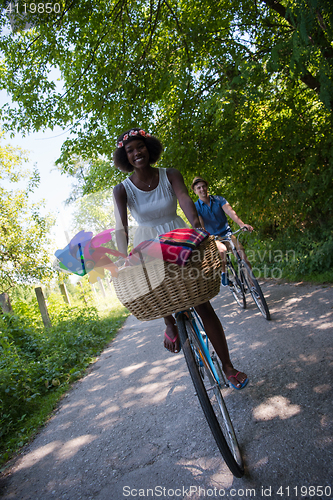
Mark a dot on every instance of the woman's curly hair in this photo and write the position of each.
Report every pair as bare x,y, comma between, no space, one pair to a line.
153,145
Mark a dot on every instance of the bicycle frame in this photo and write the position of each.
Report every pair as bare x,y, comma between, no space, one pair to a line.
246,280
231,243
208,379
204,344
194,318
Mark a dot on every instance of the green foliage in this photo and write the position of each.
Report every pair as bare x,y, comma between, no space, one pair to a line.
23,293
36,362
276,178
94,212
240,92
311,258
123,65
24,238
292,256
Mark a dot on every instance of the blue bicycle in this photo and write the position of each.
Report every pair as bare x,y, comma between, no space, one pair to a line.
243,280
208,379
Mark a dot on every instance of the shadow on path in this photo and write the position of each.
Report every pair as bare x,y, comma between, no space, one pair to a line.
133,424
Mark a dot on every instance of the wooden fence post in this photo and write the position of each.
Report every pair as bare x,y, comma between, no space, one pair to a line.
100,282
93,289
5,303
109,284
84,297
42,306
64,293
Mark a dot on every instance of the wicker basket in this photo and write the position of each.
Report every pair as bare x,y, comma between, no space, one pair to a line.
158,288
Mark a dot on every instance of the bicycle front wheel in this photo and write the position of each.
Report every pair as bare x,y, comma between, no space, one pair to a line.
251,283
210,396
235,286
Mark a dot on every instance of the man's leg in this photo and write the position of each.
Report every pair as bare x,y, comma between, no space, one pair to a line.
223,252
241,250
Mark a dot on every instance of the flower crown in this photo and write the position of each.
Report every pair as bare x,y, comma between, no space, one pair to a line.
132,133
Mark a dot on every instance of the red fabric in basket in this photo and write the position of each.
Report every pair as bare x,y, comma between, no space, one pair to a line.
175,246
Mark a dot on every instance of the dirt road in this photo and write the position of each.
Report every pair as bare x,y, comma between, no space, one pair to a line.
133,427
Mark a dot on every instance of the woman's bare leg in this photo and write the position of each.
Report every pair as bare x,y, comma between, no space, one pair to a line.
216,335
171,332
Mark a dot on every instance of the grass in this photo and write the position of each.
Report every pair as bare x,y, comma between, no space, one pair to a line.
38,365
291,256
292,275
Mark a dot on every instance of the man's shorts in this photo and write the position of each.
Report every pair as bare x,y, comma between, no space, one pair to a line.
235,241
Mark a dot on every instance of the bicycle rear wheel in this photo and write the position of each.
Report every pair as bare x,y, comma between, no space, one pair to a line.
251,283
210,396
235,285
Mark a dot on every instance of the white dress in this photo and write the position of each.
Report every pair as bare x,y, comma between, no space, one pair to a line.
154,211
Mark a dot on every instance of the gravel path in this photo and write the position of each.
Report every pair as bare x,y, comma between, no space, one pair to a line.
133,427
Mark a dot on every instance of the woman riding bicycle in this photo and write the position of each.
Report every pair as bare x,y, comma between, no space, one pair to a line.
151,196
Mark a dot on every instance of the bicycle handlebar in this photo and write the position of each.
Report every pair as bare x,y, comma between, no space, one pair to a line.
227,237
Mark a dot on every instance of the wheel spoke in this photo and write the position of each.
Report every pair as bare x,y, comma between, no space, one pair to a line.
210,395
235,286
252,285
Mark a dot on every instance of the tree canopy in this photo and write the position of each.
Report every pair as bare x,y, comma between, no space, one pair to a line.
93,212
24,231
238,91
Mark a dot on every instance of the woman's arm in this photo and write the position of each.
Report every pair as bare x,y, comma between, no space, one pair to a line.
202,224
185,201
120,210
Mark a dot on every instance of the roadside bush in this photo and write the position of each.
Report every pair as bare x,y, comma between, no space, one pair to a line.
292,256
36,361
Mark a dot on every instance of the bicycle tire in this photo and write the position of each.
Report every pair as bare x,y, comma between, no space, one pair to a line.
236,286
216,412
247,277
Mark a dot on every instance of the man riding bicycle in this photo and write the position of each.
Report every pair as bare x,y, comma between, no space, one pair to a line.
213,212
